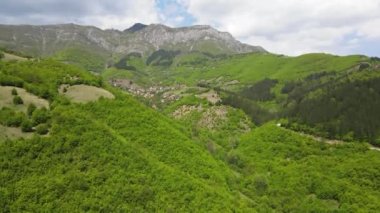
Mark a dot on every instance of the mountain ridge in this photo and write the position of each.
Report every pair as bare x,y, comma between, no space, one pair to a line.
46,40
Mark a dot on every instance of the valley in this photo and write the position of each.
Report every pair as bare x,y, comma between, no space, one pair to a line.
160,119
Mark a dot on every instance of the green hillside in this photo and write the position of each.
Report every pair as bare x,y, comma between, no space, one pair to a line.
338,106
88,164
88,152
106,155
249,68
288,172
313,90
90,59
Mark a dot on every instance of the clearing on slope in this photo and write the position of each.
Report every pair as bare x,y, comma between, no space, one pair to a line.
85,93
12,57
6,98
13,133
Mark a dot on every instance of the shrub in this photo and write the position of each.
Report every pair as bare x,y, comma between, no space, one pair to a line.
42,129
31,109
40,116
260,184
8,80
17,100
234,159
27,126
257,184
14,91
9,117
376,142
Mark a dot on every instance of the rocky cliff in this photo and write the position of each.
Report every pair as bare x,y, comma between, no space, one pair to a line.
144,39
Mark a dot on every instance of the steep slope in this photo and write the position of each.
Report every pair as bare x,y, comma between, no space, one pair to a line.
88,165
107,155
194,38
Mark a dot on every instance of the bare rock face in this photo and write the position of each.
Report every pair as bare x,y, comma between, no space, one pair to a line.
192,38
144,39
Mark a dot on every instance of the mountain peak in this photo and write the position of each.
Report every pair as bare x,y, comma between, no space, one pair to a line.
201,27
136,27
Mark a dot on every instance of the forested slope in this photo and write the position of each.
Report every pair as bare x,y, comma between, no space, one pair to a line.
105,156
116,154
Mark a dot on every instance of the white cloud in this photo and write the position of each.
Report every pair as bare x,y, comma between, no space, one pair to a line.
294,26
282,26
370,29
118,14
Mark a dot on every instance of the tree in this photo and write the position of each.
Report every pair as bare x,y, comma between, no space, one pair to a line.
1,55
260,183
17,100
30,110
14,91
42,129
9,117
40,116
27,126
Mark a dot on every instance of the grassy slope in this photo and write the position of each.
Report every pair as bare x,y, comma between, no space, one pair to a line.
83,93
190,68
250,68
13,133
10,57
92,60
6,99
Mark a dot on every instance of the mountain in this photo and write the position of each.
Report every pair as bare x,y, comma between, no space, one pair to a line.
42,41
136,27
177,131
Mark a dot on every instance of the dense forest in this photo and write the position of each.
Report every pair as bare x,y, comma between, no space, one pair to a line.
162,58
335,105
343,107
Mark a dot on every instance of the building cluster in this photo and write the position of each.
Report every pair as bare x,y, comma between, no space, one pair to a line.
165,92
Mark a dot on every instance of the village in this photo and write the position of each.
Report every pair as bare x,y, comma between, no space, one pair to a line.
167,93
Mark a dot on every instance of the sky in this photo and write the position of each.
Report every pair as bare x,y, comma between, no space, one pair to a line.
290,27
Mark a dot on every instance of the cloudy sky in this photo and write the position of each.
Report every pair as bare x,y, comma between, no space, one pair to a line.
289,27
